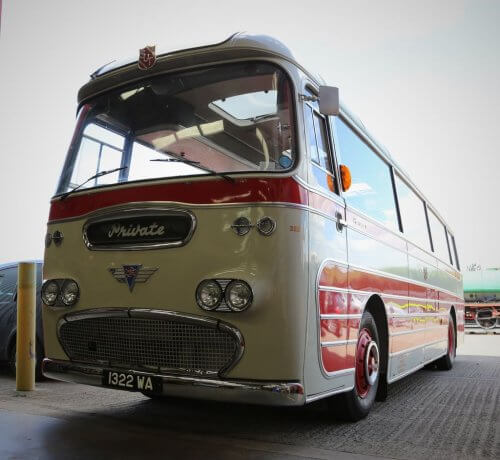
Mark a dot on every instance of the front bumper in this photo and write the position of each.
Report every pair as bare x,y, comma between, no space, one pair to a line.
259,392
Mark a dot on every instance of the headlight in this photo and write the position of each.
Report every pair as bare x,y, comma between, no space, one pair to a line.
238,295
209,295
70,293
50,292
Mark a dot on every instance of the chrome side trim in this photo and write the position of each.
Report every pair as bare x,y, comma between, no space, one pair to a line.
130,212
414,331
339,342
414,369
147,313
402,278
341,372
388,296
339,316
407,350
326,394
418,315
248,392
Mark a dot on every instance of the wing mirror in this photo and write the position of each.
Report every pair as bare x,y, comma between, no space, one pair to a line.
329,103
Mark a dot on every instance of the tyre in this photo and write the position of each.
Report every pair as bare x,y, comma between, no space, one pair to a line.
356,404
446,362
38,364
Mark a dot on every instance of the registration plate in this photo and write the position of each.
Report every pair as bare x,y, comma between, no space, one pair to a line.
131,382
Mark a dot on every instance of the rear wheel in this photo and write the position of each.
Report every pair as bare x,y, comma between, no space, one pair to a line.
356,404
446,362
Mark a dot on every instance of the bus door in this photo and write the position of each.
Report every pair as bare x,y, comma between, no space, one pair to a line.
327,246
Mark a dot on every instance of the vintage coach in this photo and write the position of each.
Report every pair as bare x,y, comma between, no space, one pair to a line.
206,241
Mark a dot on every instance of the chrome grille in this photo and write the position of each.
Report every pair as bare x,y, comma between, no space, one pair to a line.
166,344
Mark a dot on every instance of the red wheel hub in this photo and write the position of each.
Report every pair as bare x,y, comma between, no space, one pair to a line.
367,363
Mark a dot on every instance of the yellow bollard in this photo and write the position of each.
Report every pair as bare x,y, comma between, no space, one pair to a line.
26,327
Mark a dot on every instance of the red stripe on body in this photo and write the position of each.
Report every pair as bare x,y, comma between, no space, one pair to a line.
364,281
221,191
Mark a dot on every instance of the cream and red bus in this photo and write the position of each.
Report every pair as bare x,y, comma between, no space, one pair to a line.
224,229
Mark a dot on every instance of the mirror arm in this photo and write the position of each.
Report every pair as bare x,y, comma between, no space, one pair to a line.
306,98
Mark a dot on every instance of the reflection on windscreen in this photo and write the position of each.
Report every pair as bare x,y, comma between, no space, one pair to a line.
233,118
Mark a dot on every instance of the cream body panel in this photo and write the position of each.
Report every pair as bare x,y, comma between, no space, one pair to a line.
275,267
326,242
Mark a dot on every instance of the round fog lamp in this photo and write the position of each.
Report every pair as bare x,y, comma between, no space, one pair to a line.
209,295
238,295
266,226
70,293
50,291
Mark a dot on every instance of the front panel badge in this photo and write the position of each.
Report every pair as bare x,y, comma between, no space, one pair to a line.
147,58
131,274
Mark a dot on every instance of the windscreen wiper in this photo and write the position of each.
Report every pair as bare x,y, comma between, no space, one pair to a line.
95,176
177,160
196,164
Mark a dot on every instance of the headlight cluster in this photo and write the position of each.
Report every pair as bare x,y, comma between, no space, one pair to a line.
60,292
224,295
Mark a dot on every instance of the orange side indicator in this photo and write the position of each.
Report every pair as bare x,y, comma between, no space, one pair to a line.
345,175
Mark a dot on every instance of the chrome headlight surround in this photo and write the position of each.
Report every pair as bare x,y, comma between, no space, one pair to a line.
206,289
50,292
238,295
60,292
70,292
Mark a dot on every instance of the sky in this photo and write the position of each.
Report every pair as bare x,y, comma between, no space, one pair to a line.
422,76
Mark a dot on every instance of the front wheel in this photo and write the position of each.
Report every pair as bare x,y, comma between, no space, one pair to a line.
446,362
356,404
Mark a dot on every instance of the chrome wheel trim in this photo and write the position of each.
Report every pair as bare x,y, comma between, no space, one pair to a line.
372,363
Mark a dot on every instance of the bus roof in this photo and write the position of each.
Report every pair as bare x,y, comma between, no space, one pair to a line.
117,73
482,280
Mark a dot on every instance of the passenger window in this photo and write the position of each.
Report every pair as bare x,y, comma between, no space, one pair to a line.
450,247
413,218
100,150
317,139
371,191
8,284
438,233
454,249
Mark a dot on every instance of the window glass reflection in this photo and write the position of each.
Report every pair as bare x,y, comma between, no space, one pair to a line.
371,191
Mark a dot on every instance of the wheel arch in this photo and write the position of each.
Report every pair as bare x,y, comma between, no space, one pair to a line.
376,306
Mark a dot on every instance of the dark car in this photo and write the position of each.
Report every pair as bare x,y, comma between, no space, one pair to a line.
8,316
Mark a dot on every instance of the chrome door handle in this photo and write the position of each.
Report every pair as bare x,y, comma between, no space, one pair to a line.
341,223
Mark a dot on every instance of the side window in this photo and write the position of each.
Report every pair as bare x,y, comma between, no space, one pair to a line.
317,140
8,283
413,218
451,248
454,249
371,191
100,150
438,233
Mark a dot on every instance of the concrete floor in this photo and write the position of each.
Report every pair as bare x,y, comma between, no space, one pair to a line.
432,414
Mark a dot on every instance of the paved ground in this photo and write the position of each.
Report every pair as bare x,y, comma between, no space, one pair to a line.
432,414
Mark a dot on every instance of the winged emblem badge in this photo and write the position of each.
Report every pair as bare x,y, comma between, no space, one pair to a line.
131,274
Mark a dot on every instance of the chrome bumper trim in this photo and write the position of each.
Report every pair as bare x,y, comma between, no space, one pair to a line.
248,392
